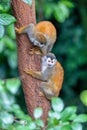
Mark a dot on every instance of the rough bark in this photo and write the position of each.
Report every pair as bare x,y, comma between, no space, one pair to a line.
24,15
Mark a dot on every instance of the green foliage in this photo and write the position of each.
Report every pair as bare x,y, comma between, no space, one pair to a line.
2,30
60,9
67,119
12,116
4,6
57,104
70,49
28,2
38,113
7,41
6,19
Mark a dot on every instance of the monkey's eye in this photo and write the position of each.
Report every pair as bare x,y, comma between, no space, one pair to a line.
41,44
54,60
49,60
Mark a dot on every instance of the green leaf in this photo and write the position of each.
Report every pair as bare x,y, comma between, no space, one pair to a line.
52,122
38,112
68,113
13,85
61,12
54,128
48,10
2,83
11,31
28,2
66,127
81,118
6,118
57,104
11,56
39,123
7,100
83,97
9,43
76,126
56,115
69,4
18,112
1,8
5,6
32,126
6,19
22,127
2,45
2,30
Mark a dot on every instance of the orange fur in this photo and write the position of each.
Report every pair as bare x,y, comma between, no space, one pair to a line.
46,28
57,78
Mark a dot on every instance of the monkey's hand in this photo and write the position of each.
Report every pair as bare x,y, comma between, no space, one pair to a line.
34,74
28,71
18,30
35,50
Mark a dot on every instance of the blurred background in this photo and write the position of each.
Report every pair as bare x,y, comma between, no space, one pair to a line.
70,19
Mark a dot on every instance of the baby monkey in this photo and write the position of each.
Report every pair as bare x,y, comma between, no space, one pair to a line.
51,75
42,35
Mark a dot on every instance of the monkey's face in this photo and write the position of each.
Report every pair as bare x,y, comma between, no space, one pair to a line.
40,40
49,61
38,44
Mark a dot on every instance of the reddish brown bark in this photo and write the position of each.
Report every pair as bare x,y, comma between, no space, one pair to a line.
25,15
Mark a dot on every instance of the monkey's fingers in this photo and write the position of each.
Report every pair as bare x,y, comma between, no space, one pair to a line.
18,30
41,94
35,50
27,71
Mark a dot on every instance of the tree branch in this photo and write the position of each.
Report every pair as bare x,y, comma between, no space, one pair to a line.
25,15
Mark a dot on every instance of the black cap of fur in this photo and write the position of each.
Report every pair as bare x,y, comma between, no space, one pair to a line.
51,55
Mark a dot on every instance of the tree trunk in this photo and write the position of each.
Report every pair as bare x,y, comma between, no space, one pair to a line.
24,15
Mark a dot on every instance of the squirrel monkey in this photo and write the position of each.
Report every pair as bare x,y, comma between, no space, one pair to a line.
42,35
51,75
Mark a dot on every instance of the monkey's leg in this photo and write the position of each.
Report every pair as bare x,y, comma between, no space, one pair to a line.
35,74
47,90
35,50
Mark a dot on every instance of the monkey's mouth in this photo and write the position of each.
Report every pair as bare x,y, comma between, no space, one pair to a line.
49,65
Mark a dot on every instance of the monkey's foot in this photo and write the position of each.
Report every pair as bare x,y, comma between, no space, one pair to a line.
35,50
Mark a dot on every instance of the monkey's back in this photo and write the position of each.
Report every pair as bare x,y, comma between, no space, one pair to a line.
57,78
47,28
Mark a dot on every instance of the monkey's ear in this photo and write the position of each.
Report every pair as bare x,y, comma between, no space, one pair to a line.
41,38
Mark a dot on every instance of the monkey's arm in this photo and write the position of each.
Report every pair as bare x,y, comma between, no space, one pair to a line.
24,29
29,30
35,74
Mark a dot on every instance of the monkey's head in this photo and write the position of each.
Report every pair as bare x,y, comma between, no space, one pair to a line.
40,40
49,60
